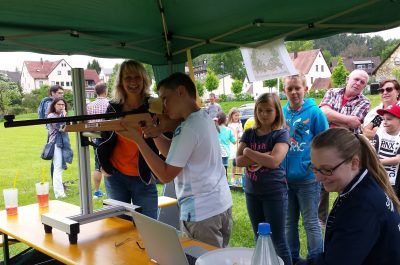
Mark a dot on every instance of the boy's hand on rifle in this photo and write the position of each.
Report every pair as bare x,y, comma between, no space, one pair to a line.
131,132
151,131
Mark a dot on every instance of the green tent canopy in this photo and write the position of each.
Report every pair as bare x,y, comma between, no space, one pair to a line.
159,32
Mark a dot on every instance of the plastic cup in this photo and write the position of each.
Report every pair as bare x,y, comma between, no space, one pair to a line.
42,192
11,201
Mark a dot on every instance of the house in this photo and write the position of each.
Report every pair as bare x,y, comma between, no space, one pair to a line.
368,64
12,76
37,73
385,69
91,79
105,74
311,64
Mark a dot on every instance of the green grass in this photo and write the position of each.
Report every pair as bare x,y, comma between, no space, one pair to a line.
20,153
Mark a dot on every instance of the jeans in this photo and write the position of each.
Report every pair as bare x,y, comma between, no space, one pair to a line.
131,189
58,186
303,199
261,209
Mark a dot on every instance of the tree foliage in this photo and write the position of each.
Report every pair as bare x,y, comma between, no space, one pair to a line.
237,86
339,74
388,50
211,83
200,88
94,65
396,73
228,63
112,78
299,45
270,83
9,94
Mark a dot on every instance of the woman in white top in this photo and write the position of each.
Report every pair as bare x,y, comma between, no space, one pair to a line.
236,126
389,90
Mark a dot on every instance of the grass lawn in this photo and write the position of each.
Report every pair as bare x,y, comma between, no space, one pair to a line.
20,154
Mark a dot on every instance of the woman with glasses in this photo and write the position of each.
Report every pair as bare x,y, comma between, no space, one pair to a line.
363,226
389,90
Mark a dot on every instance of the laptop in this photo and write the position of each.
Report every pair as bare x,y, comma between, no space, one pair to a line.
162,243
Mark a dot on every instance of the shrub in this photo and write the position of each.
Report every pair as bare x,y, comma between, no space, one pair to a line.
316,93
244,97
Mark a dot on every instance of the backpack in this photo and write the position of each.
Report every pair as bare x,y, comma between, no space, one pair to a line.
44,107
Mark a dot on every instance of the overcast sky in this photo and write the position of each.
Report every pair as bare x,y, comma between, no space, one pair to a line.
12,60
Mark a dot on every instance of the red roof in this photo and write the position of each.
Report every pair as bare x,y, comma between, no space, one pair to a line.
322,83
91,74
303,60
40,69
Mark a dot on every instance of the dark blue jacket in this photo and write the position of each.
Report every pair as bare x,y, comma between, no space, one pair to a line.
109,139
363,227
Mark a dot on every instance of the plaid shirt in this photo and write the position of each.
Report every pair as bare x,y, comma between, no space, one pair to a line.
355,106
99,106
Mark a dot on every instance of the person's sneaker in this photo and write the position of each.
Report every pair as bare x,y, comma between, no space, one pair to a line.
98,194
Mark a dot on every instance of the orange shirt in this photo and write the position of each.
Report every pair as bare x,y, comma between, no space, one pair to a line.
125,156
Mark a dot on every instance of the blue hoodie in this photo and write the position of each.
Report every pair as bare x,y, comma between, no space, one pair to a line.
303,125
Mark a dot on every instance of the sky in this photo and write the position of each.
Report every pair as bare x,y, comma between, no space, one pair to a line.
12,60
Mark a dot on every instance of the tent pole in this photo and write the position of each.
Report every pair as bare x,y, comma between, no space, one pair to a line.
78,82
191,74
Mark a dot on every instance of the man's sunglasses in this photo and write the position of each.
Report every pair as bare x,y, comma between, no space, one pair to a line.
388,90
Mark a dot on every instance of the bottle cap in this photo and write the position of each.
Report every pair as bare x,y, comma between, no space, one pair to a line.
264,229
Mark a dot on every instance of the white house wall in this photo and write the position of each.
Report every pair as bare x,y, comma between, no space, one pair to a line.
60,75
313,73
27,82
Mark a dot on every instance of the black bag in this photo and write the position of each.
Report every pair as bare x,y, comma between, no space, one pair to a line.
48,151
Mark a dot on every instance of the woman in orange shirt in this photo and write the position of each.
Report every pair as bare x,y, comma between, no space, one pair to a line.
127,176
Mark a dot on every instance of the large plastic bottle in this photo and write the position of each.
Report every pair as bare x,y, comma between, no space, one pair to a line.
264,254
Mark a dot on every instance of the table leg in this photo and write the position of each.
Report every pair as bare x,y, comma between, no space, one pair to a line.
6,251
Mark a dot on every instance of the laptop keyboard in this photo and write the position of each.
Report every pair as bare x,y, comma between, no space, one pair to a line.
191,260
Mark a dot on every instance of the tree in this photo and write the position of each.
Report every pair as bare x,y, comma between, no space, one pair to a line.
112,78
270,83
94,65
339,74
200,88
386,52
299,45
9,94
237,86
211,83
228,63
149,70
355,50
328,56
396,73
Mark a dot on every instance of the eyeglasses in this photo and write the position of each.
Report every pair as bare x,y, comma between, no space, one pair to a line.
326,172
388,90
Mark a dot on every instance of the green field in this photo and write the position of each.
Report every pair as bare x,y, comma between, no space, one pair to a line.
20,155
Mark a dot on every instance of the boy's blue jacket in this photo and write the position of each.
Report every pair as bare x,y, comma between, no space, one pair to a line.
303,125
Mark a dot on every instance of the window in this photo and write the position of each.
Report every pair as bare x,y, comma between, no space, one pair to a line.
69,72
62,83
397,61
40,83
59,72
316,68
53,83
57,83
359,66
370,66
67,83
322,68
312,80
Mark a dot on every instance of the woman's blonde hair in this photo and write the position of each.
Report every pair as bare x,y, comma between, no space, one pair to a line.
347,145
119,94
273,99
232,112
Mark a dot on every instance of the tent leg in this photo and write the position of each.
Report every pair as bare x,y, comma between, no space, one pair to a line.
83,150
191,74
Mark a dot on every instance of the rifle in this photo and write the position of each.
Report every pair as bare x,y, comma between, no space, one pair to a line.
88,123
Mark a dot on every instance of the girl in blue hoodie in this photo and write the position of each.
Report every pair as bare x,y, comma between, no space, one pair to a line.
304,120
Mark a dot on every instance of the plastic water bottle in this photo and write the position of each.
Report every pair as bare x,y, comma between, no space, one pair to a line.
264,254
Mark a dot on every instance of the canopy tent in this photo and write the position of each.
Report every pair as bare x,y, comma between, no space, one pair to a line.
165,32
159,32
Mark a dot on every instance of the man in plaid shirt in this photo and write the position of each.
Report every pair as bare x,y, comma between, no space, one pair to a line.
344,107
99,106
